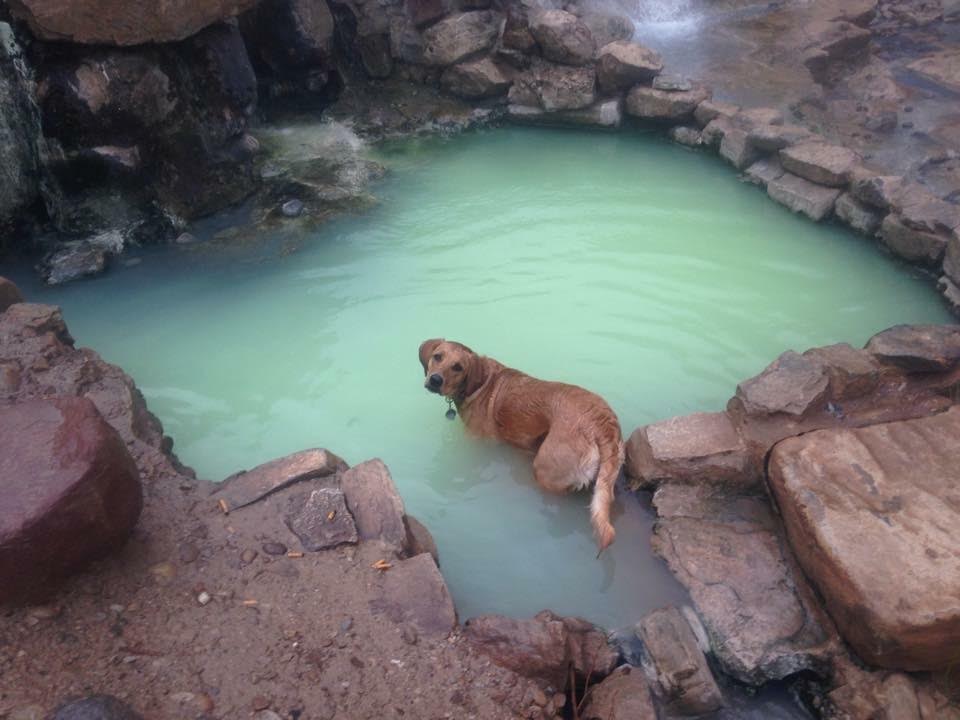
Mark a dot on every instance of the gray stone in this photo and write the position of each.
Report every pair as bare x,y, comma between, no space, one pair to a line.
918,348
859,216
820,162
292,208
321,519
911,244
681,670
414,593
72,261
624,695
710,110
763,171
922,210
735,149
714,131
879,191
951,294
291,36
803,196
672,83
758,117
476,79
852,372
562,37
771,138
249,486
607,27
664,106
623,64
375,504
792,384
457,36
9,294
684,135
95,707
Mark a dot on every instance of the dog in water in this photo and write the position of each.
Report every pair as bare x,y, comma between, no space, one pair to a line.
574,433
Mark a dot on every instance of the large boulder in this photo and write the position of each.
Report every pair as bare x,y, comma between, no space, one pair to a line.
290,36
563,38
870,514
554,87
457,36
70,493
116,22
476,79
670,106
623,64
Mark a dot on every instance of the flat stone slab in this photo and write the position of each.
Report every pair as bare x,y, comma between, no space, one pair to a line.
702,447
414,592
820,162
910,243
859,216
664,105
802,196
791,384
872,515
762,172
375,504
918,348
321,520
248,486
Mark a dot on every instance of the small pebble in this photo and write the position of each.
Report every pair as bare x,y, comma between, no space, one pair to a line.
346,624
204,597
248,556
409,635
907,125
259,702
274,548
539,697
45,612
292,208
188,553
163,572
185,239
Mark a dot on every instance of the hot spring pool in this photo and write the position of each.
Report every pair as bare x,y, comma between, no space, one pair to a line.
636,268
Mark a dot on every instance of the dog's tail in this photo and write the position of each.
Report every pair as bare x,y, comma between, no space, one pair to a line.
611,459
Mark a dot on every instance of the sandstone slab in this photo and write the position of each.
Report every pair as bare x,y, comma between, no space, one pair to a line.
623,64
413,591
802,196
865,506
375,504
820,162
455,37
624,695
918,348
321,520
562,37
249,486
70,493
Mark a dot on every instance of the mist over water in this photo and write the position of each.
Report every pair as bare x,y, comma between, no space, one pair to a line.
633,267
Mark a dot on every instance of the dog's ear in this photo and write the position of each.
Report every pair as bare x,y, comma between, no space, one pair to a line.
477,373
426,350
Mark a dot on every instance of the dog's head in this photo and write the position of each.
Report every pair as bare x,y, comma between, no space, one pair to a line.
452,370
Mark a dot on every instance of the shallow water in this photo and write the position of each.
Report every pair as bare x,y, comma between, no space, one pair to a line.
622,263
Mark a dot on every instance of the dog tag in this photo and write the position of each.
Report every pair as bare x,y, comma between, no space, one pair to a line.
451,414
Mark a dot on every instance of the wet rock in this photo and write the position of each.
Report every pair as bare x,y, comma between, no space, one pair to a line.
736,149
792,384
457,36
71,493
879,191
419,539
96,707
710,110
771,138
858,502
290,36
544,646
554,87
81,258
292,208
763,171
917,246
624,695
918,348
852,372
9,294
375,504
681,670
820,163
562,37
321,519
414,593
248,486
516,32
663,105
859,216
802,196
623,64
685,136
476,79
697,448
714,131
114,22
757,611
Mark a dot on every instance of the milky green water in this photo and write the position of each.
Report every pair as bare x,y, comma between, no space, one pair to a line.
635,268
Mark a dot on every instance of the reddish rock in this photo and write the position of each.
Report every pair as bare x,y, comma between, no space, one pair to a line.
476,79
248,486
624,695
455,37
648,103
792,384
821,163
623,64
802,196
851,372
70,493
880,191
116,22
414,592
911,244
562,37
9,294
702,447
859,216
918,348
857,503
375,504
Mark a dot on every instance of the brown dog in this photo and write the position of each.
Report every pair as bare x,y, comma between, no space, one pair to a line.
574,433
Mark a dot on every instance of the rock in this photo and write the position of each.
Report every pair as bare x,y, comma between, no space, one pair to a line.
820,162
860,216
950,292
911,244
516,32
375,504
771,138
321,520
735,149
604,114
292,208
918,348
759,615
941,68
858,502
544,646
831,43
624,695
803,196
476,79
249,486
714,131
419,539
274,548
27,712
96,707
290,36
922,210
710,110
792,384
678,664
683,135
186,239
71,493
879,191
763,171
951,260
9,294
73,261
852,373
697,448
114,22
562,37
663,105
375,55
554,87
607,28
414,592
457,36
858,12
425,12
623,64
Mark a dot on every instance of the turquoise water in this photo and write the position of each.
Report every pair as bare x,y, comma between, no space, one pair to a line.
633,267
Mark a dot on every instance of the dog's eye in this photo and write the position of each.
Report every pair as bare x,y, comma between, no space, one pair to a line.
438,357
457,367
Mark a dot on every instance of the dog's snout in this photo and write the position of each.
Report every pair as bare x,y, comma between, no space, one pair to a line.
436,380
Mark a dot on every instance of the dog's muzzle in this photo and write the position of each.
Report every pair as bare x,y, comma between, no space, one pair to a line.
434,383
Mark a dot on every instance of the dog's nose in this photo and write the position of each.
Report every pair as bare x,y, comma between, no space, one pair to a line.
436,380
